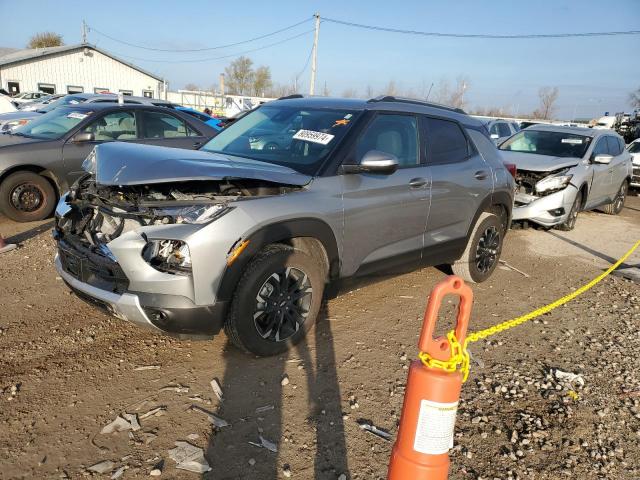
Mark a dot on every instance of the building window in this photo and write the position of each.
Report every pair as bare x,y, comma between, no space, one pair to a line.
13,87
47,88
74,89
126,92
101,90
147,93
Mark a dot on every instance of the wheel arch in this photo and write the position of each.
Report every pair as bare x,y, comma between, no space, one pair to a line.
48,174
501,201
311,235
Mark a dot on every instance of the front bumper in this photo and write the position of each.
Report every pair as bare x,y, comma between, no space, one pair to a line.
545,210
170,314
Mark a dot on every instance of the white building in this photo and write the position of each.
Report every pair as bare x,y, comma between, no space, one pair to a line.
74,69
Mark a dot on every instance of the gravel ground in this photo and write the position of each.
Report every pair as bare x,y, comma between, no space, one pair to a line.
67,371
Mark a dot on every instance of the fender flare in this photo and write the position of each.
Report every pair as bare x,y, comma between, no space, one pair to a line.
502,199
274,233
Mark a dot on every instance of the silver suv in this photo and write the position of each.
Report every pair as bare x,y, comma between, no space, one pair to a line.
245,238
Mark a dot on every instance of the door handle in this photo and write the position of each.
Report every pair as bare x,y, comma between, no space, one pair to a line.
417,182
481,174
197,144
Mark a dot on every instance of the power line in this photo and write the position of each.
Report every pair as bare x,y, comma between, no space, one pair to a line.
222,57
199,49
471,35
306,64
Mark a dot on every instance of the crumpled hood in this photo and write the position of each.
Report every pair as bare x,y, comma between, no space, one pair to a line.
534,162
119,163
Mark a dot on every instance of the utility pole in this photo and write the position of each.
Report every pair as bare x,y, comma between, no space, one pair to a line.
314,62
84,31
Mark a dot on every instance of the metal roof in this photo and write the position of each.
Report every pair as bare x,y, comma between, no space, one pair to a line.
11,55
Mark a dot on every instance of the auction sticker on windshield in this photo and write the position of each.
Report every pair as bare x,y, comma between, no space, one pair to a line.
313,136
573,141
78,115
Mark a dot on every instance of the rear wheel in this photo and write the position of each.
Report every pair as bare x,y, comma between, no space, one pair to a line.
26,197
482,253
570,222
615,207
276,302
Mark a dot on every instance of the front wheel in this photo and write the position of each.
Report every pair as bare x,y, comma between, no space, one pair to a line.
570,222
615,207
276,302
26,197
482,253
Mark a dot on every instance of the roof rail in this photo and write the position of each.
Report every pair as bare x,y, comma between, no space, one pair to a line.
391,98
295,95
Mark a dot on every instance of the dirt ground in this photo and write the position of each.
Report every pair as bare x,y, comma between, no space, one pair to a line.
67,370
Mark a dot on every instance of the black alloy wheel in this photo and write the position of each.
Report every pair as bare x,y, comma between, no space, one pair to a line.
27,197
488,249
283,304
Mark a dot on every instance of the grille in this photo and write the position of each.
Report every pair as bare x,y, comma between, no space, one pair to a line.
92,268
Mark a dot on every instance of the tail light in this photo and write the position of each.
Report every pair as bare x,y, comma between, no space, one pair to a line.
512,169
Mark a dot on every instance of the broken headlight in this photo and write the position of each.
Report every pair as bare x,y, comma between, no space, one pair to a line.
170,256
197,214
554,182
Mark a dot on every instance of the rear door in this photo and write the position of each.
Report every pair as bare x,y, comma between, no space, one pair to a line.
119,125
602,181
163,127
619,164
385,214
460,180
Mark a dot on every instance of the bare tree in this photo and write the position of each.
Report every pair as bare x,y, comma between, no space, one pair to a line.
45,39
349,93
456,98
391,88
442,92
325,90
191,86
369,92
548,97
239,76
261,81
634,99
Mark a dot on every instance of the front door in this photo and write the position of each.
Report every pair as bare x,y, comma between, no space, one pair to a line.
601,181
385,214
119,125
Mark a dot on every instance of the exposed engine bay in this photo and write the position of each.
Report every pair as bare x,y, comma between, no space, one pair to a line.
101,213
531,184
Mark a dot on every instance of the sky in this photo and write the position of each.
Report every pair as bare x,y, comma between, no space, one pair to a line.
593,74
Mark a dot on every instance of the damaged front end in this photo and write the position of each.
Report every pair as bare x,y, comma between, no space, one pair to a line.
543,197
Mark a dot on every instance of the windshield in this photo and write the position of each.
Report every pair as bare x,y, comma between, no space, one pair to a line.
66,100
554,144
634,147
52,125
297,138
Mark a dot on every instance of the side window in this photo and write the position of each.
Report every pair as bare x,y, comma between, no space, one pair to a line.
614,146
600,148
494,129
164,125
445,142
503,130
394,134
114,126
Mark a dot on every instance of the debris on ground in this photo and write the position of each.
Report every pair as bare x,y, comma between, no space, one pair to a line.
175,388
118,473
157,469
217,389
367,427
213,418
511,267
154,412
146,367
264,409
102,467
264,443
285,380
286,470
189,457
122,423
567,378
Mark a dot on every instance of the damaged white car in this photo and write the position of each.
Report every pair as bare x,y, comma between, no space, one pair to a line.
564,170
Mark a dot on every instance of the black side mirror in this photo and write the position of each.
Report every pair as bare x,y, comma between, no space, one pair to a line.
83,137
374,161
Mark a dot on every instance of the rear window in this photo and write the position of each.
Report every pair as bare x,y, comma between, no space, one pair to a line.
445,142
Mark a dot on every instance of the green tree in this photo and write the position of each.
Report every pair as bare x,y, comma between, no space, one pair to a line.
239,76
45,39
262,81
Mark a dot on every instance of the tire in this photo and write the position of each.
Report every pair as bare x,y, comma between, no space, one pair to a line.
615,207
479,260
26,197
570,223
248,323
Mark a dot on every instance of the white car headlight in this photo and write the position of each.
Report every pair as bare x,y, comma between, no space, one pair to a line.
171,256
198,214
553,183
